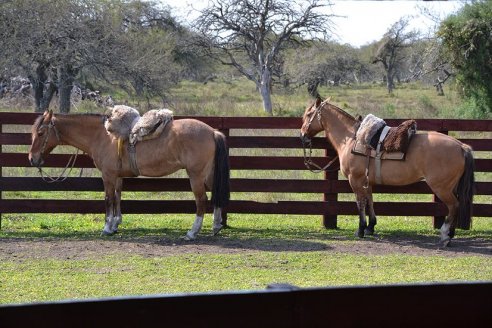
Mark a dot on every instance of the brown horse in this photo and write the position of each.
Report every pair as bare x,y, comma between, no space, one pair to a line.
185,143
445,163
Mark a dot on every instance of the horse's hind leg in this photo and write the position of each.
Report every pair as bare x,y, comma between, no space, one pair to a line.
449,225
217,220
198,188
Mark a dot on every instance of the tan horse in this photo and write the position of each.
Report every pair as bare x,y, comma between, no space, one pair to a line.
445,163
186,143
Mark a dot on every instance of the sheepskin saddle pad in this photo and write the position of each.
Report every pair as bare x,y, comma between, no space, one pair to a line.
125,122
150,125
394,144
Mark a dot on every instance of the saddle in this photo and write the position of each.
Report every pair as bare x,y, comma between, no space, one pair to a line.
125,123
377,140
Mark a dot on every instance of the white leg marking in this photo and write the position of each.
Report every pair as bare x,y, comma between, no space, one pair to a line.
195,229
217,220
108,226
116,222
445,232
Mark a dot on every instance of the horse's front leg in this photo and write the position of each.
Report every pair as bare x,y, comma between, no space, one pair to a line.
362,202
361,206
370,211
117,204
109,202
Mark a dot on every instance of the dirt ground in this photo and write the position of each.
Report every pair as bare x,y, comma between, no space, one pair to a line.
43,248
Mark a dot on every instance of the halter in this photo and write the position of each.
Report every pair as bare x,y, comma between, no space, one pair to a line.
71,161
308,162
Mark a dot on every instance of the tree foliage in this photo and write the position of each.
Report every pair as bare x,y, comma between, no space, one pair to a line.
467,40
250,35
391,51
132,44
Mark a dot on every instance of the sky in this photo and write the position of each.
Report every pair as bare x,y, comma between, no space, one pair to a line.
360,22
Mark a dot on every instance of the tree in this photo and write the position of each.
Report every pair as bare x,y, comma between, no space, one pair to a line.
128,43
390,52
467,41
325,63
251,34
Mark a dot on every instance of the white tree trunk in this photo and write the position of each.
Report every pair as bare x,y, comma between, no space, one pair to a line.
265,91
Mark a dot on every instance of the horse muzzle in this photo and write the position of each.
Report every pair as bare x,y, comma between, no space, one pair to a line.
36,162
304,139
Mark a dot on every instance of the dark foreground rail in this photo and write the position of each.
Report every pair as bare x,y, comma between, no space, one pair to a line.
273,135
419,305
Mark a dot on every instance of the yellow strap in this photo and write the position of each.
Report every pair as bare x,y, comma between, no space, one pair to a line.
120,147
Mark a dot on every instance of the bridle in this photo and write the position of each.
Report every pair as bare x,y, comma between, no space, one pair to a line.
71,161
308,162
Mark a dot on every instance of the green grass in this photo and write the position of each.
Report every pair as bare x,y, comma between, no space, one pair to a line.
270,249
135,275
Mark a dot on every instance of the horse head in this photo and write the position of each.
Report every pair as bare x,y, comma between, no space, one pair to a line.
44,137
311,121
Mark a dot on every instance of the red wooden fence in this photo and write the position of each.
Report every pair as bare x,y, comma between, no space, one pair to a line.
324,191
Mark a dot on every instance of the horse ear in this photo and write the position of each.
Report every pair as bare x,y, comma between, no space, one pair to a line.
318,101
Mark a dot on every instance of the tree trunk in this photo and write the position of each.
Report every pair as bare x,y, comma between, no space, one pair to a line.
48,95
265,91
42,97
66,78
390,84
38,82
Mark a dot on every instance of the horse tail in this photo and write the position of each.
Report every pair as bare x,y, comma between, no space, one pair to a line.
221,186
465,190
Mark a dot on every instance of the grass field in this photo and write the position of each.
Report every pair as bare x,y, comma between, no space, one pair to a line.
55,256
257,250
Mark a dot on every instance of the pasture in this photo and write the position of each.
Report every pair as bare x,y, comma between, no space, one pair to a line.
62,256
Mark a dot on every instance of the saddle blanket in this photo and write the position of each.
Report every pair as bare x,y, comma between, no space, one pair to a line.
360,148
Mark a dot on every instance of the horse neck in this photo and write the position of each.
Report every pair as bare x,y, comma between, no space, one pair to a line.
80,131
339,126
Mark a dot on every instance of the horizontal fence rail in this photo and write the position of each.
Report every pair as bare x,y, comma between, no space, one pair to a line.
324,189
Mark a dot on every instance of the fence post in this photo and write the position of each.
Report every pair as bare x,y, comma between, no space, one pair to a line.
330,221
1,169
438,221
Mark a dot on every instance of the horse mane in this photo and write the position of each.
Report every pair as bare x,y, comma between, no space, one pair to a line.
37,123
338,109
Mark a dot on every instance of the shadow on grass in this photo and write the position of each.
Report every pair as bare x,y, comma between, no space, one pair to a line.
271,240
477,242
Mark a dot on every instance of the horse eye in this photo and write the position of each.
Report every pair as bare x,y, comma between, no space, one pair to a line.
40,133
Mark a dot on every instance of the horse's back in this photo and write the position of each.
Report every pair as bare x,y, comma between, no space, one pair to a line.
437,153
184,143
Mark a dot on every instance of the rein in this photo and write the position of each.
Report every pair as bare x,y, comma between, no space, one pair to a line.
71,161
70,165
313,167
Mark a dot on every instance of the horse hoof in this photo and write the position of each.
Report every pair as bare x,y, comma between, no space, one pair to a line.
359,233
446,242
368,232
107,233
188,238
217,230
